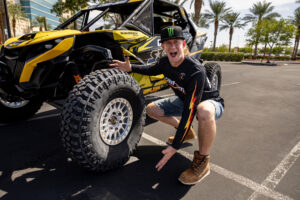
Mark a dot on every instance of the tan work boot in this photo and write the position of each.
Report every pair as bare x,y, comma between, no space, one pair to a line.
190,135
197,172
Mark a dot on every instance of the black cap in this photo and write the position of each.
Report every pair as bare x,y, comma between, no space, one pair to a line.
171,32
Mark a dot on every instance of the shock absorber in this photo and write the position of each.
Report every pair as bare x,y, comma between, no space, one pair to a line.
74,71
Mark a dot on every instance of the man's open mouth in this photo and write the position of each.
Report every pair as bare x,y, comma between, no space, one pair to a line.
173,54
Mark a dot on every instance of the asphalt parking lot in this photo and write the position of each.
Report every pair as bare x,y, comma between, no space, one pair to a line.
255,154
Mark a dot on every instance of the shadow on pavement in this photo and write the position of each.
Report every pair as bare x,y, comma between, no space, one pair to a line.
34,166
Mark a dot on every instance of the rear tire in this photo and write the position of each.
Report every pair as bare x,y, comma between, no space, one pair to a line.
214,74
102,120
15,111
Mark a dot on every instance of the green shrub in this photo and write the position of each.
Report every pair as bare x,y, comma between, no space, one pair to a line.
220,56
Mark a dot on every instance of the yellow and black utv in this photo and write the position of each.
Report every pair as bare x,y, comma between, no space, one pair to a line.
103,112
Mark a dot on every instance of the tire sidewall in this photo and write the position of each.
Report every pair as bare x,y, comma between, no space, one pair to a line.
120,151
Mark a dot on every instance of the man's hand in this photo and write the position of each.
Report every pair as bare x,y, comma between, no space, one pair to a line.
123,66
168,153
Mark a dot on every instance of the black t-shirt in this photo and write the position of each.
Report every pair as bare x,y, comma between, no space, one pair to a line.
190,84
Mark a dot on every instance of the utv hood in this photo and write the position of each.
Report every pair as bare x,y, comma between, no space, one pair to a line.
34,38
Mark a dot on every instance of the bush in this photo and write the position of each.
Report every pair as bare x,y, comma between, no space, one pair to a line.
248,56
219,56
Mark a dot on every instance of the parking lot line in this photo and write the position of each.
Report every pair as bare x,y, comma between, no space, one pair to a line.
234,83
258,188
280,171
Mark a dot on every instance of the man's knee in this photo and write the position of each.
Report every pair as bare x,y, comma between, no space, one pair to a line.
206,112
153,110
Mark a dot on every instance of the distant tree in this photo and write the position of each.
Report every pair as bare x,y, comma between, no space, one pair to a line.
15,12
202,21
216,13
279,33
222,48
259,11
41,21
296,21
231,21
197,9
72,6
246,49
288,50
277,50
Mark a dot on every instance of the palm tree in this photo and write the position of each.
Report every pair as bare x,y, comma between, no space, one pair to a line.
202,22
259,11
197,9
296,22
41,21
217,13
15,13
231,21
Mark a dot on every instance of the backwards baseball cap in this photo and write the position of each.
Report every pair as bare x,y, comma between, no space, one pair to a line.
171,32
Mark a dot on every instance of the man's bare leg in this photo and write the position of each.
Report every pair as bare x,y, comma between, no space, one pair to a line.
206,126
156,113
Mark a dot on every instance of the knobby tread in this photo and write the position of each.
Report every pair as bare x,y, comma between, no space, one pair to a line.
77,115
212,68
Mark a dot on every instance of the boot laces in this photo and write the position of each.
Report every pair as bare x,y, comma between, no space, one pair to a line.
197,163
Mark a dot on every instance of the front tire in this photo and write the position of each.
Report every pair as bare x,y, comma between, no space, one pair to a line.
102,120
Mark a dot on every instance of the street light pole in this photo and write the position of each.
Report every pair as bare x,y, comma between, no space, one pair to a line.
7,19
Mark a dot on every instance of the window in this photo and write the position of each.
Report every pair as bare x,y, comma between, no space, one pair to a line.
109,20
143,20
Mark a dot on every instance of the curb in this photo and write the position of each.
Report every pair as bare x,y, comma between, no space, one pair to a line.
266,64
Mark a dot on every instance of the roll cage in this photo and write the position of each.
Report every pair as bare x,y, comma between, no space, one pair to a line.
147,16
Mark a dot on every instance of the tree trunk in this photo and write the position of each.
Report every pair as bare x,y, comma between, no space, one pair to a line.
14,26
215,34
230,38
45,23
197,8
41,27
257,38
295,50
265,51
269,57
255,50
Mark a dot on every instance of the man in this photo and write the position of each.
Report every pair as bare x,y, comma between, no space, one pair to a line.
188,79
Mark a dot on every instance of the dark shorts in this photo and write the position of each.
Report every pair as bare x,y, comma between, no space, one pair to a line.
173,106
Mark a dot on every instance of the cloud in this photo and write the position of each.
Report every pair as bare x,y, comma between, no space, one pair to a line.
242,5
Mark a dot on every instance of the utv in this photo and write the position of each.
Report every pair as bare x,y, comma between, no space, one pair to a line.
103,113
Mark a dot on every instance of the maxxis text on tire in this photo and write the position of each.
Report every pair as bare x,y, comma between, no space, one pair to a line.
97,97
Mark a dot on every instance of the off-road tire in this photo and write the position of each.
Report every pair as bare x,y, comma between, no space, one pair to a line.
214,73
10,114
83,111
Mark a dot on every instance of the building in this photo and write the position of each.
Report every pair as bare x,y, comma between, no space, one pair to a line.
34,8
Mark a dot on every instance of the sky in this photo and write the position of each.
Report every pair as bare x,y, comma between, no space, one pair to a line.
284,7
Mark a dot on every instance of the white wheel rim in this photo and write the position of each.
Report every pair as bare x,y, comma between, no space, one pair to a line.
215,82
116,121
17,104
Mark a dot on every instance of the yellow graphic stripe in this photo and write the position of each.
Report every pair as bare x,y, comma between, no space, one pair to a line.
196,52
131,1
59,49
144,46
191,108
